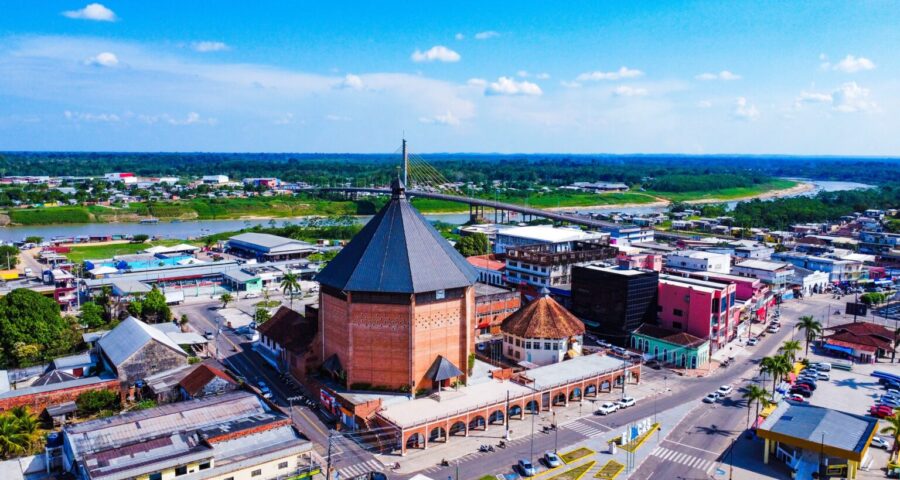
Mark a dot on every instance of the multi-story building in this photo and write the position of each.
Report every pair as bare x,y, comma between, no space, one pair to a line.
490,269
705,309
542,266
397,302
775,274
700,261
613,302
492,306
214,179
878,242
839,270
558,239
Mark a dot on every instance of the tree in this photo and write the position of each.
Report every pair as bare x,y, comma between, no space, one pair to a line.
789,349
140,238
155,307
261,316
30,318
754,393
474,244
183,322
34,239
893,428
226,298
92,315
9,256
93,401
26,354
811,328
13,441
105,300
290,284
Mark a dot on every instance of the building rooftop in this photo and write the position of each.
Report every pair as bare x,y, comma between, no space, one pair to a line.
482,289
573,369
487,262
626,272
816,426
193,382
290,330
271,243
548,233
675,337
762,265
129,337
398,251
543,318
695,283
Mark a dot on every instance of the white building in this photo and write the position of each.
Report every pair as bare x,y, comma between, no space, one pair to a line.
214,179
561,237
776,274
542,333
699,261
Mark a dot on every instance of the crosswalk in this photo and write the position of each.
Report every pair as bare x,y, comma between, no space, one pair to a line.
585,428
359,469
683,458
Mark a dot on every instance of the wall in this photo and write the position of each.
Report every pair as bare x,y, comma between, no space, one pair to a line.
154,357
671,353
443,328
38,402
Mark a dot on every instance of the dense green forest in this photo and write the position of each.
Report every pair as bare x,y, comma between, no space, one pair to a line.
323,169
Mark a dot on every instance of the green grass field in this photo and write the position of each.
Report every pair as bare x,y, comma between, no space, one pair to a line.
98,252
49,215
726,194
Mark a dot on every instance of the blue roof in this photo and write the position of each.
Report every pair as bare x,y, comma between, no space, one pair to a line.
398,251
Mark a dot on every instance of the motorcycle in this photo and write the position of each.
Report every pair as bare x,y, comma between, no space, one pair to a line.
395,466
502,444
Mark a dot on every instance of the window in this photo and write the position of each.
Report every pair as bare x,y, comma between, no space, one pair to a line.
204,466
677,312
547,346
528,345
179,471
518,343
282,465
676,325
256,473
439,294
155,476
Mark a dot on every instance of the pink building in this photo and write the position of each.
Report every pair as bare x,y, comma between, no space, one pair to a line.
705,309
751,293
640,261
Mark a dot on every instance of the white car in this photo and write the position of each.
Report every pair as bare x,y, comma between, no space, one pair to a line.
607,407
251,295
725,390
878,442
773,329
823,376
823,366
711,398
753,341
626,402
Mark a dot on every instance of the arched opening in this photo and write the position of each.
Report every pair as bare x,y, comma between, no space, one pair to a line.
416,440
694,361
515,411
438,434
458,428
496,417
532,406
477,423
575,394
590,391
559,399
619,380
683,362
605,386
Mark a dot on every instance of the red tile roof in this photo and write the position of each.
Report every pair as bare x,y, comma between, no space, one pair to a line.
676,337
290,330
488,262
863,334
543,318
194,382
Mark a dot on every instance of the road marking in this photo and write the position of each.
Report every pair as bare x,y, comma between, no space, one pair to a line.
692,447
685,459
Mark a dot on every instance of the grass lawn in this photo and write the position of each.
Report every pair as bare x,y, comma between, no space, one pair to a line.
574,473
727,193
576,454
610,470
98,252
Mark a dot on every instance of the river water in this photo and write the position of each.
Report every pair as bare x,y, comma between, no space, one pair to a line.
197,228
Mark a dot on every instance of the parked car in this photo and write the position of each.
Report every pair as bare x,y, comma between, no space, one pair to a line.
725,390
711,398
796,398
892,402
526,468
208,334
801,390
552,460
626,402
810,385
620,351
753,341
878,442
807,379
823,376
881,411
823,366
773,329
251,295
607,407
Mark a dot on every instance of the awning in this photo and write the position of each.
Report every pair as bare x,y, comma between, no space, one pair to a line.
838,348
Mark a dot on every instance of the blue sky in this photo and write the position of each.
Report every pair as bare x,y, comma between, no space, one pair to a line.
812,77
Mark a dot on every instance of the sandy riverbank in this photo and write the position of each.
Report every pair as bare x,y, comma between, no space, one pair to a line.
801,187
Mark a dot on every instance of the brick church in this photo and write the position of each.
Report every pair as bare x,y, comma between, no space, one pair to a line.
397,304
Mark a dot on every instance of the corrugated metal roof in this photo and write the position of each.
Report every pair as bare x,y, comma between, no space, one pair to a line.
832,428
129,337
398,251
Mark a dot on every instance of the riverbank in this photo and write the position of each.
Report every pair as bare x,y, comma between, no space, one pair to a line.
798,189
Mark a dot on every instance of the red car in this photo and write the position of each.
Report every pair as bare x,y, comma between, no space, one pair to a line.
881,411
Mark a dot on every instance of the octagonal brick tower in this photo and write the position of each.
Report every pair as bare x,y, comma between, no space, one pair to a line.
394,300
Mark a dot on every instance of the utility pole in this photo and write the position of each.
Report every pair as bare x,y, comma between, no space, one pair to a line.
405,165
506,417
328,459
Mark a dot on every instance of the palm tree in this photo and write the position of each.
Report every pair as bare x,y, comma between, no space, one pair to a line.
811,329
893,428
27,422
769,365
13,441
789,349
783,366
757,394
226,298
290,284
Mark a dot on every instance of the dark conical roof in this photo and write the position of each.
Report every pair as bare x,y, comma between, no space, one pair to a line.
398,251
442,369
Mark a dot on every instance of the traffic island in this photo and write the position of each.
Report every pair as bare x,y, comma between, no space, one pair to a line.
574,473
610,470
577,454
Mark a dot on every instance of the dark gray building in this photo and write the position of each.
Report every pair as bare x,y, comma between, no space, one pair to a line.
135,350
614,302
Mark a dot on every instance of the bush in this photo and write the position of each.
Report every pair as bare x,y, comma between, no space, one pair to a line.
94,401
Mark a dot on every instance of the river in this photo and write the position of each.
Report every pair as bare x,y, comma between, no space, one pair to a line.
197,228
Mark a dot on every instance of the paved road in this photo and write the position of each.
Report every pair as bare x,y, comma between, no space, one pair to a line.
348,457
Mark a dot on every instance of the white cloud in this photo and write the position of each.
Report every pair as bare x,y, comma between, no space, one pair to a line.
851,64
723,75
704,104
744,110
626,91
105,59
523,73
621,73
486,35
286,119
352,82
459,36
91,117
438,53
192,118
446,119
93,11
812,97
208,46
509,86
850,97
542,76
477,82
568,84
